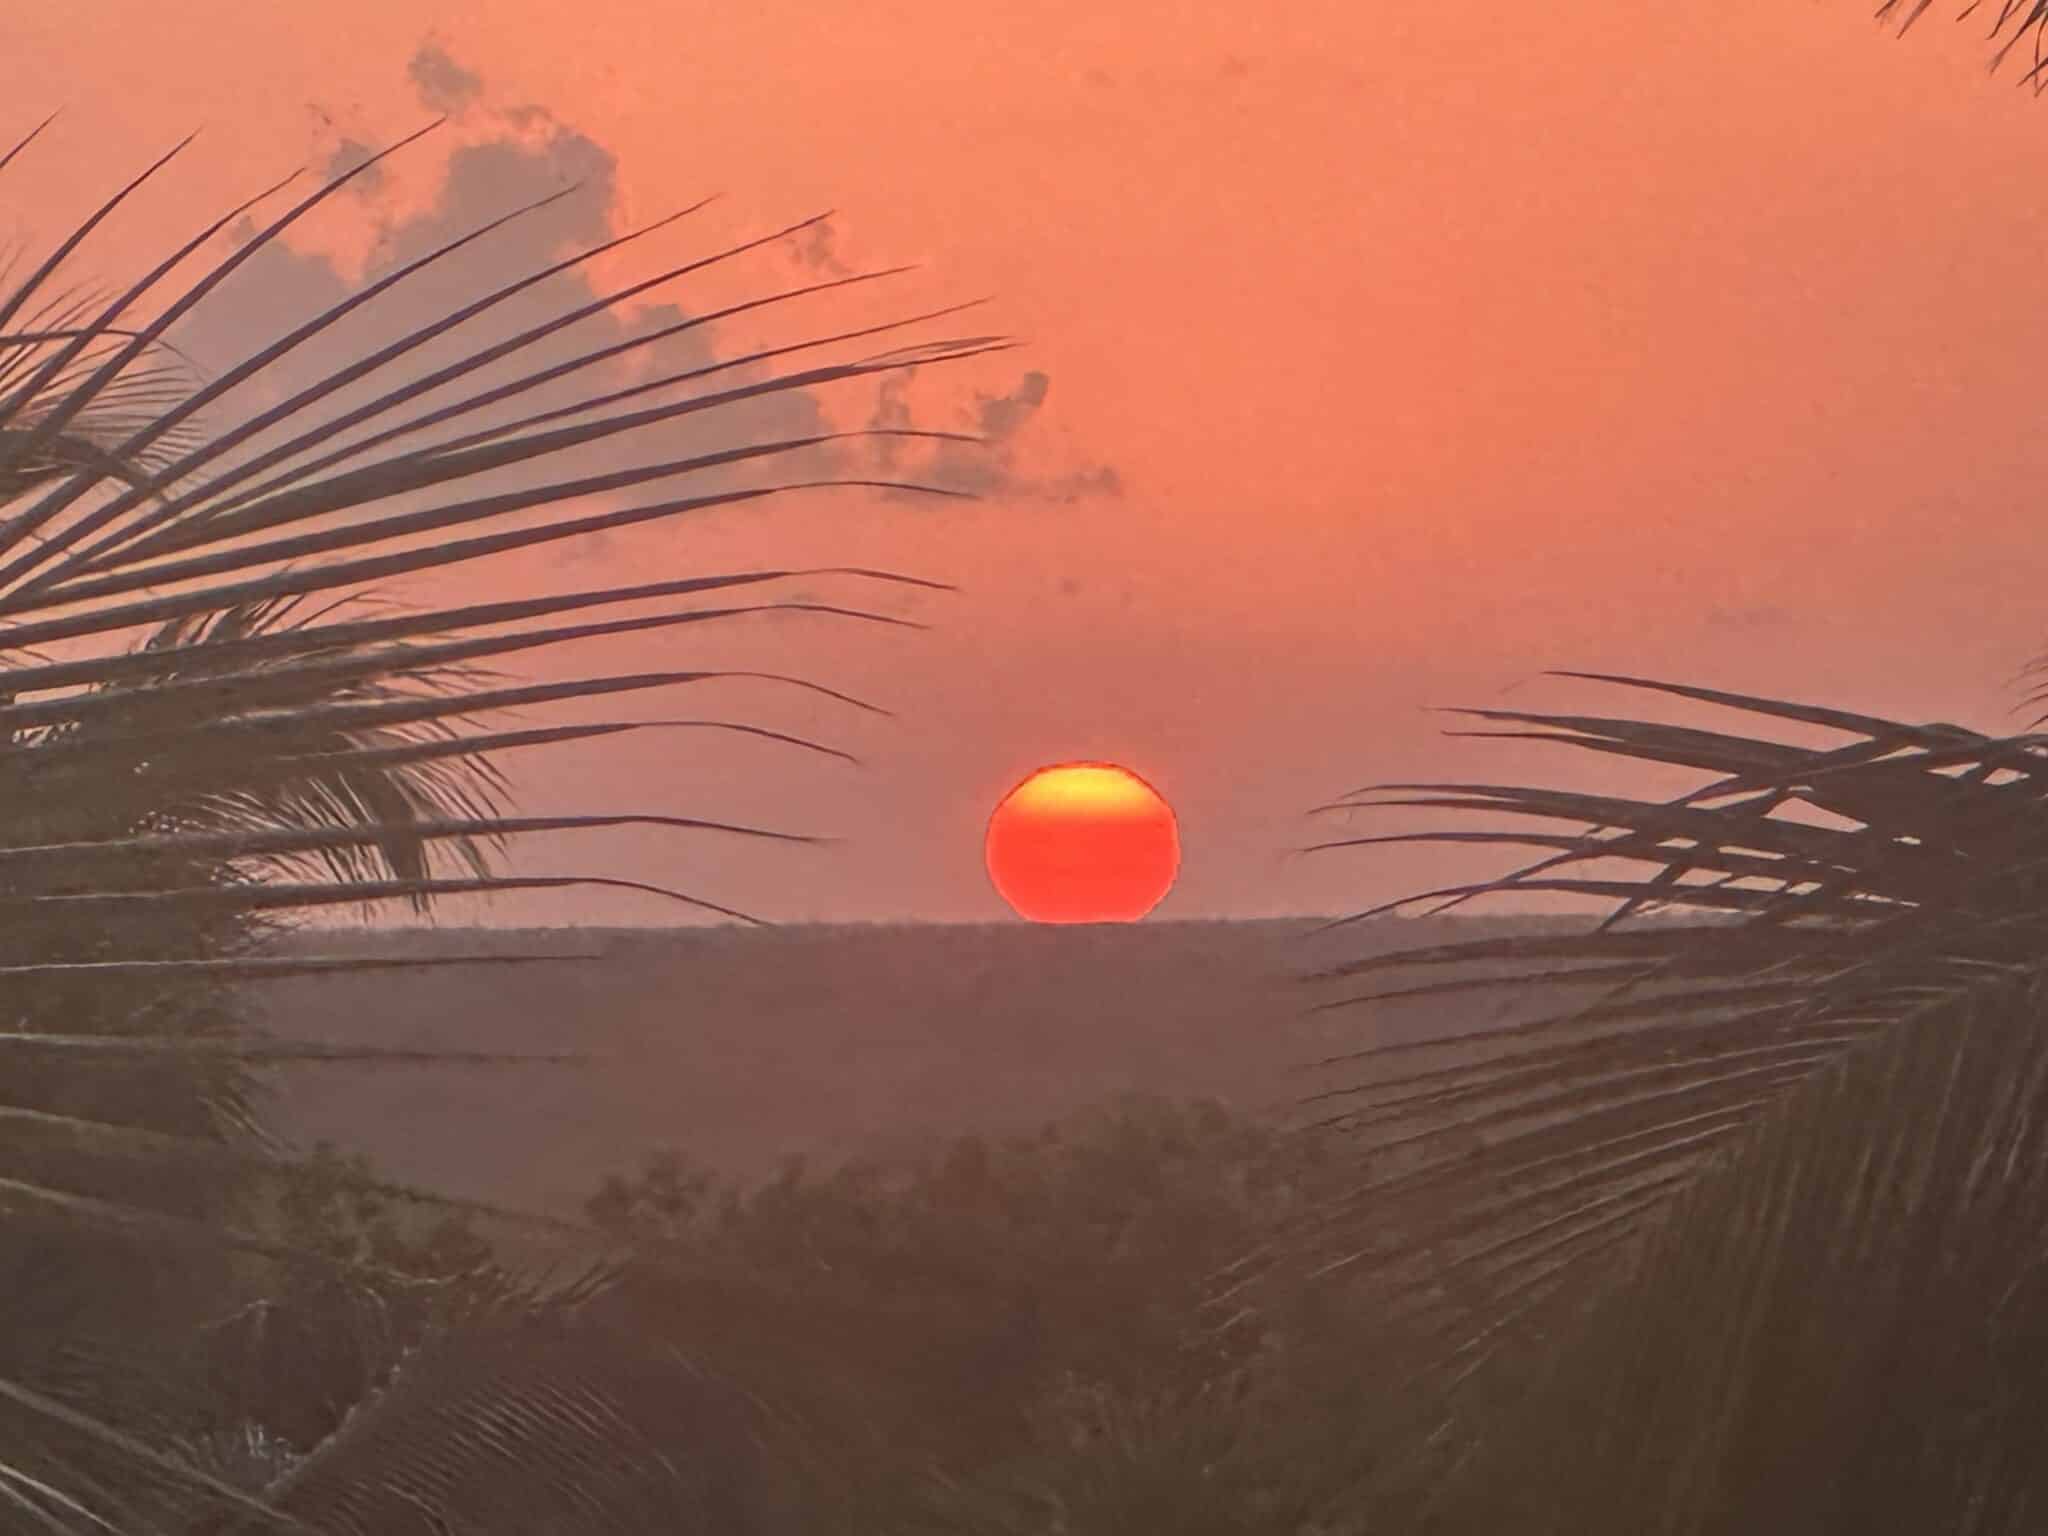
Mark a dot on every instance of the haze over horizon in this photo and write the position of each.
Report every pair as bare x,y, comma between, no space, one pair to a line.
1372,363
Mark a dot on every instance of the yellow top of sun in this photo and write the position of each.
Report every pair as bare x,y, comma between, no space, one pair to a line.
1095,789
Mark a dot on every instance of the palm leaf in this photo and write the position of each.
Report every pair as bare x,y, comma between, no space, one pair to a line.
1842,911
542,1414
1851,889
192,754
2014,22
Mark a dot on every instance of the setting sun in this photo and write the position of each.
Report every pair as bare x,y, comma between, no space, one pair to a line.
1083,843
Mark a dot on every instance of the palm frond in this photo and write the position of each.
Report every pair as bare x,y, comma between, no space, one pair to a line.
1837,894
202,737
2014,22
537,1418
1793,1063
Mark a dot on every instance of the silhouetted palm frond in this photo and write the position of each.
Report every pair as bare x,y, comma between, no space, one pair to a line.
2011,23
1743,1155
544,1412
205,729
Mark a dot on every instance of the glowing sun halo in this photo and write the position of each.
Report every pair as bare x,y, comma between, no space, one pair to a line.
1083,843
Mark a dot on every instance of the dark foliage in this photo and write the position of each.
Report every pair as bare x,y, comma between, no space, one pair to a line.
1006,1332
1744,1233
205,733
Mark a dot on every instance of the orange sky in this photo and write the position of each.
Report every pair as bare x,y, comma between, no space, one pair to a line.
1388,361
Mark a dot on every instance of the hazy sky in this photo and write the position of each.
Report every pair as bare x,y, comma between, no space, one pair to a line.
1374,361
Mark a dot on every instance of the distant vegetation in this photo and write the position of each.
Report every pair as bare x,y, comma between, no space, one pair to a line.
1016,1328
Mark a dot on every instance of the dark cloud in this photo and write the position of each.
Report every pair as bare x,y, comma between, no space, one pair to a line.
891,414
443,84
813,249
992,467
487,179
507,158
1001,415
346,156
275,290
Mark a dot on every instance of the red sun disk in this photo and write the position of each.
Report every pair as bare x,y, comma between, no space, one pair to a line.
1083,843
